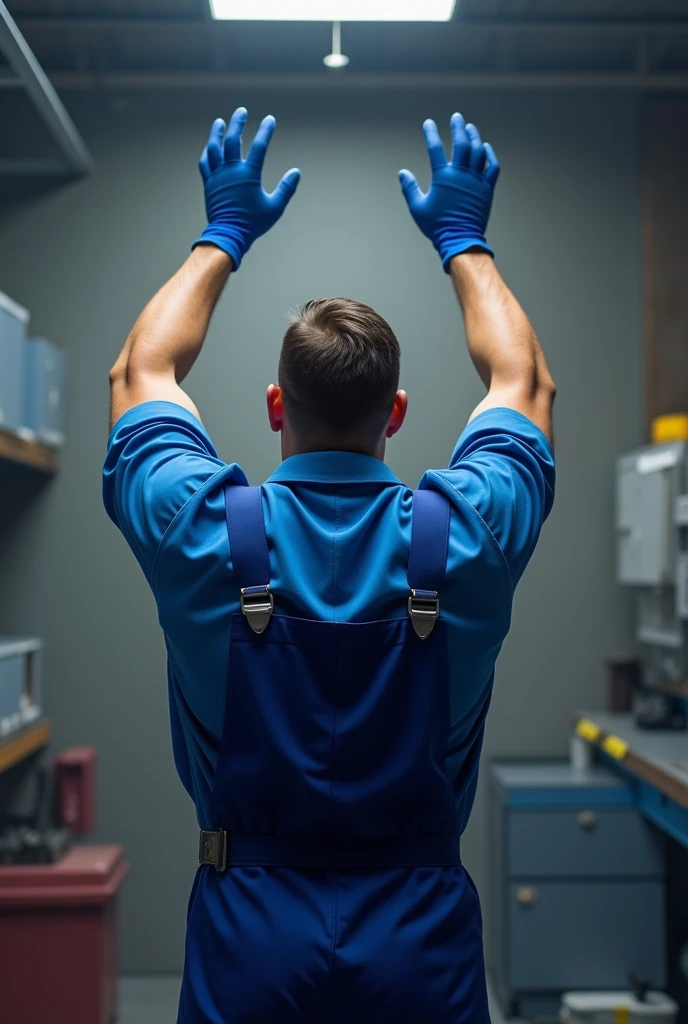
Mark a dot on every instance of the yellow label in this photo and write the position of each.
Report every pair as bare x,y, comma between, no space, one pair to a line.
615,747
587,730
622,1015
670,428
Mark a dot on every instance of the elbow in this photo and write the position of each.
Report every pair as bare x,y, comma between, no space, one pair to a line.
539,381
119,372
546,387
533,379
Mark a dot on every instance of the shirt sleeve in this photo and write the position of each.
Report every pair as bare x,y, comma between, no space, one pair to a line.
157,458
503,467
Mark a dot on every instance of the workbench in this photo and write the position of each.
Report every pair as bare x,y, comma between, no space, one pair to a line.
653,763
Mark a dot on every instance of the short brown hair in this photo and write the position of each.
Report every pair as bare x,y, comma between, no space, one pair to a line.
339,370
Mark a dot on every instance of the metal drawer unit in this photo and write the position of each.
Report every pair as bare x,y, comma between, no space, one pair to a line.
577,886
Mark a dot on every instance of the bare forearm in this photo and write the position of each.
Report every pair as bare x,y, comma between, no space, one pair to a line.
501,340
168,336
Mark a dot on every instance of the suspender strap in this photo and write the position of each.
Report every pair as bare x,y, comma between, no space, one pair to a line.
429,540
222,850
428,558
248,547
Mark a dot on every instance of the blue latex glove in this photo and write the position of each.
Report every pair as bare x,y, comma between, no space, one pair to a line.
455,212
238,208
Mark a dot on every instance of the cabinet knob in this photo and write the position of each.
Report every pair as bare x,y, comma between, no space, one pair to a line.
527,897
587,820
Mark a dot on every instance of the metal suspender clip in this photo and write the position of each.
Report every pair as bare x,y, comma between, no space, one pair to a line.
257,604
213,849
424,609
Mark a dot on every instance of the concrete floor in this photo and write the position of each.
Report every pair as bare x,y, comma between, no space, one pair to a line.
153,1000
148,999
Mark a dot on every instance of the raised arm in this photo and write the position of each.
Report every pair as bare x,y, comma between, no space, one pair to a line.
454,215
168,336
502,343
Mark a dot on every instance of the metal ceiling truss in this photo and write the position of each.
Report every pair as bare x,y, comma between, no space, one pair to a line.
643,73
25,73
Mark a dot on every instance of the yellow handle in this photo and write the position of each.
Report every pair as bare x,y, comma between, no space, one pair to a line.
622,1015
587,730
615,747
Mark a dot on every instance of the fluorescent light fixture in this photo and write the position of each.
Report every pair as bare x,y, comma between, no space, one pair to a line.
333,10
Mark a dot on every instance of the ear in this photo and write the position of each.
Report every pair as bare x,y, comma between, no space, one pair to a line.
398,414
275,408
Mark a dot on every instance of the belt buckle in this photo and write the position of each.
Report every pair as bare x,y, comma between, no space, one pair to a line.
213,849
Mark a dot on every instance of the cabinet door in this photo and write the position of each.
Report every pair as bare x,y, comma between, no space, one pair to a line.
590,843
585,935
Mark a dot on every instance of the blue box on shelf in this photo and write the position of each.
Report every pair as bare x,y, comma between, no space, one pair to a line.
44,380
20,683
13,323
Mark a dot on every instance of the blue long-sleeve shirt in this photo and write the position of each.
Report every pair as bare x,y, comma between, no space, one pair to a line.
339,532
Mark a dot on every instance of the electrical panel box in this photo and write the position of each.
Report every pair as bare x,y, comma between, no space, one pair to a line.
648,483
20,683
13,323
44,378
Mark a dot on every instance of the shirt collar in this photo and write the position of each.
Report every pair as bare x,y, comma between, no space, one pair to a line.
333,468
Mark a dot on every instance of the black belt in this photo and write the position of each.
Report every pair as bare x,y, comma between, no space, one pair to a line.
221,850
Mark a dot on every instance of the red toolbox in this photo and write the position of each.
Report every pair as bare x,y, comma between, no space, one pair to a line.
58,938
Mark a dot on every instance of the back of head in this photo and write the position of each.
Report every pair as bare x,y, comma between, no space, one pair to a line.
339,371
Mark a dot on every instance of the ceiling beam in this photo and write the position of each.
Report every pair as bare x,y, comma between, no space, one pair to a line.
327,80
42,94
196,22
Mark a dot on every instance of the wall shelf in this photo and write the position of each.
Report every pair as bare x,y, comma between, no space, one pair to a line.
27,453
23,744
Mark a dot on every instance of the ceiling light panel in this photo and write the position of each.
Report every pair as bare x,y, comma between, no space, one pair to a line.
333,10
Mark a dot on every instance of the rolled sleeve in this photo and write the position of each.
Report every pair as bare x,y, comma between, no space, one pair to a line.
503,467
158,456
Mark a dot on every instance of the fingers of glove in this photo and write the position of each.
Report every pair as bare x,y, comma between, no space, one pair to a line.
410,187
259,146
492,167
212,154
461,143
234,133
433,141
477,151
286,188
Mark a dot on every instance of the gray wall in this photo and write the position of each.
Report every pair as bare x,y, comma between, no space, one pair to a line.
85,259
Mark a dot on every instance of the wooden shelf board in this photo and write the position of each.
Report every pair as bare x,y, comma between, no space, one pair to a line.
27,453
22,744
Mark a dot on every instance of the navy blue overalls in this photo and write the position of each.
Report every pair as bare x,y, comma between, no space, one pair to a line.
332,890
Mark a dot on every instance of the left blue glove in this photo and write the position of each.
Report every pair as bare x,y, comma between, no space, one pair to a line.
454,213
239,210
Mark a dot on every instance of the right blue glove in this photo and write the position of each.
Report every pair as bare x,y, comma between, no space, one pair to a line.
455,211
238,208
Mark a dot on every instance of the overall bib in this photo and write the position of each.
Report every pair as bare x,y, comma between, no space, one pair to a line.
332,890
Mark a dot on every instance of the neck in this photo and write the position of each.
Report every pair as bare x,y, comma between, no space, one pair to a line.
332,445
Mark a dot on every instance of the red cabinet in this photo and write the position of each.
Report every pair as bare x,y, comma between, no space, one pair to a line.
58,938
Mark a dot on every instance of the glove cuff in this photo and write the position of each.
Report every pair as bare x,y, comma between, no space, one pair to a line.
448,252
228,244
